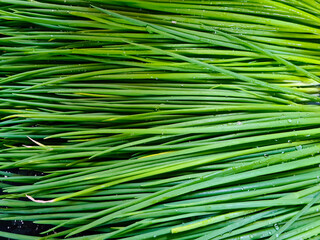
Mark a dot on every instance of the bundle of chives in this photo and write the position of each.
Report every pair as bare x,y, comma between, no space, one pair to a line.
161,119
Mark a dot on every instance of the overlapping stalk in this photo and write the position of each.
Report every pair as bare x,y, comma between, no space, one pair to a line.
161,119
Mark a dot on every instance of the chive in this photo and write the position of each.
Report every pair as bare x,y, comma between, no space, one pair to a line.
160,119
